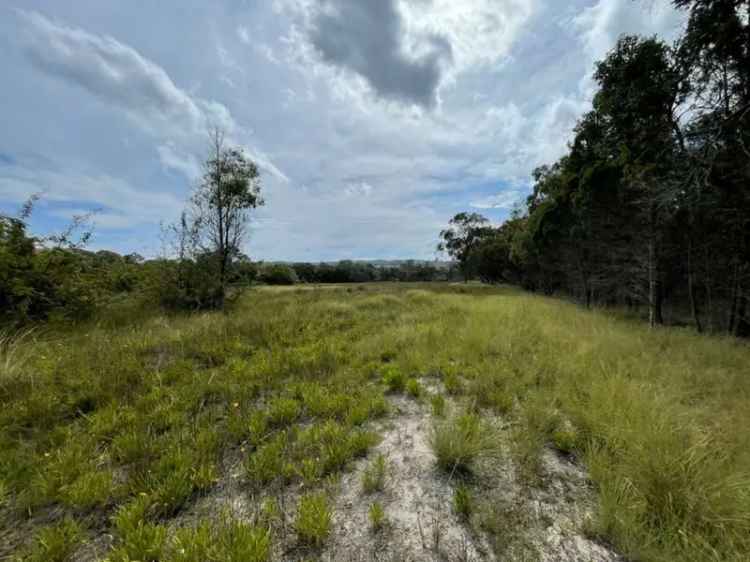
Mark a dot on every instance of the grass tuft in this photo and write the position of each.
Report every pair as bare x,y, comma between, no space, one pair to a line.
461,441
313,522
377,517
373,477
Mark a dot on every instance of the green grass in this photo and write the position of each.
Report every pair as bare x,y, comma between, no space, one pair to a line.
377,517
459,442
374,475
120,427
313,521
463,501
55,543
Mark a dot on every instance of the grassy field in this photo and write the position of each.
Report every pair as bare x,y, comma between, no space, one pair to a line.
114,435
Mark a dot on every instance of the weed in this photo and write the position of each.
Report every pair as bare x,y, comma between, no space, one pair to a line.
313,522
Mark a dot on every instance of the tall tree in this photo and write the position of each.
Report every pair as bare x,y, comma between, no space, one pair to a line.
229,189
464,232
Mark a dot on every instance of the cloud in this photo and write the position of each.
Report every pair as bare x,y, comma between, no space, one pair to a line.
123,205
480,32
243,34
119,75
504,200
367,38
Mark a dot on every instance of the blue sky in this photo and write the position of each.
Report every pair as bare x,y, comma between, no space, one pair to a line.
372,122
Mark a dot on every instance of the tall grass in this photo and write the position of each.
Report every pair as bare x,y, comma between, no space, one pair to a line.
131,421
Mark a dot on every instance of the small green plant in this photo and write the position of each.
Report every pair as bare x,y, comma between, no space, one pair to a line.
376,513
55,543
283,411
373,477
565,438
413,388
228,540
138,538
460,441
92,489
437,401
452,383
266,463
313,522
463,501
394,378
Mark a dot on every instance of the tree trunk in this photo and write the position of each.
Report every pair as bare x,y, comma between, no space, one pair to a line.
742,324
691,287
734,300
654,290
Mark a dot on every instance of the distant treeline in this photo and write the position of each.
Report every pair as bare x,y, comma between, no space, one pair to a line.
55,278
650,207
361,272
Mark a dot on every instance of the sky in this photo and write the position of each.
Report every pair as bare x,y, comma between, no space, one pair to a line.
373,122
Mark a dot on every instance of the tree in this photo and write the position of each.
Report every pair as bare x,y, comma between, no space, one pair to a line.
229,189
464,232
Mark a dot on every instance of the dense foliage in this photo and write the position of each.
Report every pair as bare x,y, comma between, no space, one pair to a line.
651,204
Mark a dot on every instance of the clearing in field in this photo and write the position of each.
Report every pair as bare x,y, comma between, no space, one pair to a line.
375,422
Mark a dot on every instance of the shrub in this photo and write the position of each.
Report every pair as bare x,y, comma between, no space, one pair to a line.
278,274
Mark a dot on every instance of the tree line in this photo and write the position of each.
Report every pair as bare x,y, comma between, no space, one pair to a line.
650,206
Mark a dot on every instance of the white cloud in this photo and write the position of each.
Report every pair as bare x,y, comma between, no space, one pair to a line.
121,76
503,200
124,205
481,32
243,34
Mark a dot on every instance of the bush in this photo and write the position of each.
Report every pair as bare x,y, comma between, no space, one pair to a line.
278,274
185,285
